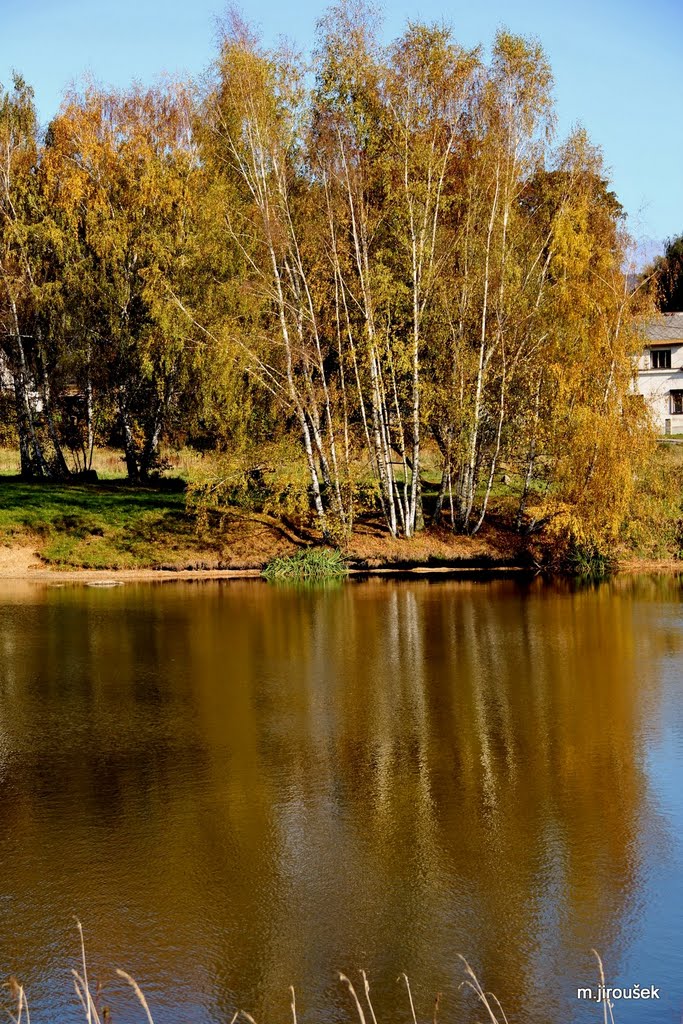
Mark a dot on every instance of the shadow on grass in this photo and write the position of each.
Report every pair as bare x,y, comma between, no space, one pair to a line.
98,525
15,492
40,505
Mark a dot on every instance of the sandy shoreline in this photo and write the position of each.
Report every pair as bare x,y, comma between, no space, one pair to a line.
40,573
23,563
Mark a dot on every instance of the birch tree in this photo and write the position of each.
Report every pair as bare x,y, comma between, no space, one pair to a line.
389,123
258,114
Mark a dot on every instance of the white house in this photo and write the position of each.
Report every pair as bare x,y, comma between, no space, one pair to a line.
660,371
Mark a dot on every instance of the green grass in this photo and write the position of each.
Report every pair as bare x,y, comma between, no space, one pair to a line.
105,526
306,566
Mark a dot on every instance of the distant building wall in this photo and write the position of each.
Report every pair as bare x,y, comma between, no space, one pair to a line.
660,371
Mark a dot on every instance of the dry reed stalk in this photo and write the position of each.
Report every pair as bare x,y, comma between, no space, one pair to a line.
85,998
488,999
473,982
606,1005
491,1003
366,985
17,992
410,996
359,1008
81,984
138,992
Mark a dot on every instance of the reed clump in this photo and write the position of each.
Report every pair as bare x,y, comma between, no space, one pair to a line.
589,562
307,565
95,1014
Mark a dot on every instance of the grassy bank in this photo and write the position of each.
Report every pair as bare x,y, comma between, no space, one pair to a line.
110,525
107,526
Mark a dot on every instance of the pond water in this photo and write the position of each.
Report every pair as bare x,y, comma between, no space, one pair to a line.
238,788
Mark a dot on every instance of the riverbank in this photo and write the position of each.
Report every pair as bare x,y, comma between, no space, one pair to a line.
115,532
149,531
22,563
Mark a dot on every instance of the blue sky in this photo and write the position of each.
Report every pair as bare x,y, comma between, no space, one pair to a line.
617,63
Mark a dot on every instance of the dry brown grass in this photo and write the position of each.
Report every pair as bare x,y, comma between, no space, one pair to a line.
374,547
495,1014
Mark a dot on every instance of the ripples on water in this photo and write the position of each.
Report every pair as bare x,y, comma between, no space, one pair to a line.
239,787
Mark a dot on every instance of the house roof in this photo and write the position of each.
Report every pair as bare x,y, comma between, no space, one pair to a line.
664,327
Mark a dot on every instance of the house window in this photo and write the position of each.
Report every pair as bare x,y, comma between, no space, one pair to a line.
676,403
660,358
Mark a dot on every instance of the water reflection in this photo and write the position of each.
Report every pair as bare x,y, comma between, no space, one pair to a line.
241,787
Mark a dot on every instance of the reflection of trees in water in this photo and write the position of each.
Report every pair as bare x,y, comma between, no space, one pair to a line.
473,762
382,775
